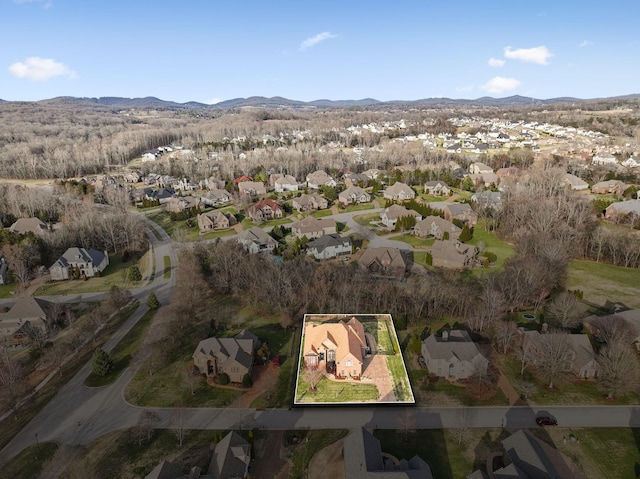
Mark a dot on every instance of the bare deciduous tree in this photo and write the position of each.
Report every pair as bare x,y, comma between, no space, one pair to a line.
506,333
179,420
618,368
312,375
566,310
551,353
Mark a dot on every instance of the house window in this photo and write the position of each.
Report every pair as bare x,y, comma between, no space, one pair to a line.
347,363
331,355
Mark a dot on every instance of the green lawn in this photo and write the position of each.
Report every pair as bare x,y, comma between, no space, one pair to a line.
358,207
604,283
321,213
167,267
114,275
414,240
30,462
336,391
365,220
614,451
7,290
121,354
313,442
177,230
401,386
491,243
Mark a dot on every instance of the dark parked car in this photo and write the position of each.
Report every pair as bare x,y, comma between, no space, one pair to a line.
546,421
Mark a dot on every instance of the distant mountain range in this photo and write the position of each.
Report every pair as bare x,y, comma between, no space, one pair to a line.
280,102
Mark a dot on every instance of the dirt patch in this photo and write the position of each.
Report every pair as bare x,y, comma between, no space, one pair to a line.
327,462
269,463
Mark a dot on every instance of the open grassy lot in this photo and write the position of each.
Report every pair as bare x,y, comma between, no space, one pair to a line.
321,213
313,442
114,275
184,231
605,283
358,207
367,219
30,462
336,392
414,240
491,243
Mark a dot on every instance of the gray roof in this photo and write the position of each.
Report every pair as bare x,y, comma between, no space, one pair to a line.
80,255
25,225
459,345
256,235
231,457
631,206
326,241
240,350
164,470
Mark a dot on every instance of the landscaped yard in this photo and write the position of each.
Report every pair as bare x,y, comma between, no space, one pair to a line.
30,462
491,243
114,275
414,240
358,207
184,231
367,219
329,391
604,283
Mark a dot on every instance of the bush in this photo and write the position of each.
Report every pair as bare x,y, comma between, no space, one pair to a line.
152,301
223,379
246,381
492,257
102,363
134,274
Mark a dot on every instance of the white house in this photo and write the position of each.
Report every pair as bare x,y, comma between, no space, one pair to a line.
79,263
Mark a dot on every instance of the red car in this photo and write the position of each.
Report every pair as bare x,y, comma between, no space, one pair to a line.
546,421
276,361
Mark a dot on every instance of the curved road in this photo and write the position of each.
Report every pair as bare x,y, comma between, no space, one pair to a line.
79,415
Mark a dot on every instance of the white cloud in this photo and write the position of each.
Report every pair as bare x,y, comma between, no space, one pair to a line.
320,37
538,55
585,43
496,62
500,84
45,3
41,69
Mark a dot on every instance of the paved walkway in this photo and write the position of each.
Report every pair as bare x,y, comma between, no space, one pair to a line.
507,388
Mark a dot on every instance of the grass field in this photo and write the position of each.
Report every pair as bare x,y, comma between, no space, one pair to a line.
605,283
359,207
414,240
491,243
30,462
336,392
114,275
366,219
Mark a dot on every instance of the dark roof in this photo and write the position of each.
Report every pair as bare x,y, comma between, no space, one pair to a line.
164,470
231,457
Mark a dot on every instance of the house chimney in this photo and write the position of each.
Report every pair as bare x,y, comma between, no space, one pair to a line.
445,335
545,328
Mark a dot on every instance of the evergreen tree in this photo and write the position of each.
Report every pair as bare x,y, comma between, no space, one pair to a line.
152,301
465,234
102,363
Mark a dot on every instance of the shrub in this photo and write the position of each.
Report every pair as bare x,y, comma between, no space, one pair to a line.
492,257
102,363
152,301
134,274
246,381
223,379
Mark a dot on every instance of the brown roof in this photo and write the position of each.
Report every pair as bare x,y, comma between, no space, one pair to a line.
346,338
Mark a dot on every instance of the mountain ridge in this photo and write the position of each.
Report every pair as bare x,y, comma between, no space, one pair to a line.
151,102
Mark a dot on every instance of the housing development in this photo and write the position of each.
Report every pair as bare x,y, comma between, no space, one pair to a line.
404,289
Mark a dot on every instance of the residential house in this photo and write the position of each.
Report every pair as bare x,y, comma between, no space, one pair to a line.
212,183
161,195
390,215
580,359
30,225
383,261
353,195
478,168
264,210
313,227
184,184
456,211
488,178
575,183
27,317
399,192
373,173
453,355
339,347
437,227
604,158
364,459
230,460
178,204
310,202
616,210
631,317
256,240
215,220
437,188
452,254
285,183
488,199
632,162
215,197
329,246
251,189
233,356
526,457
611,187
79,263
318,179
356,179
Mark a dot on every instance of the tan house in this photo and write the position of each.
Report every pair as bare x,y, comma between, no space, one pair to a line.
390,215
27,317
353,195
264,210
437,227
452,254
575,183
215,220
285,183
30,225
256,240
611,187
310,202
615,210
178,204
318,179
437,188
453,355
383,261
233,356
251,189
399,192
313,227
79,263
456,211
338,346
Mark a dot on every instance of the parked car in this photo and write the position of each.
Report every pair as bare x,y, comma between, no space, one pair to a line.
546,421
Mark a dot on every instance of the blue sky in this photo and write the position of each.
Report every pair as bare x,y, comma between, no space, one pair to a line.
210,50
